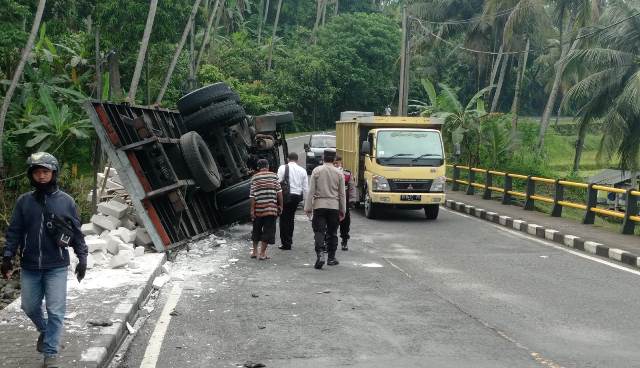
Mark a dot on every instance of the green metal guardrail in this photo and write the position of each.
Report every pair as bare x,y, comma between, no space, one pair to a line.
629,217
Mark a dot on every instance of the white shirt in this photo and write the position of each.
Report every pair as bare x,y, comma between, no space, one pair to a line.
298,180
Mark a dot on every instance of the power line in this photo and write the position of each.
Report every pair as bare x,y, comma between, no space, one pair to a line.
474,19
579,37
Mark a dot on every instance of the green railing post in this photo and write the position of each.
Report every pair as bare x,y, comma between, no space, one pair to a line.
471,190
456,177
557,197
508,186
488,183
531,190
628,225
592,201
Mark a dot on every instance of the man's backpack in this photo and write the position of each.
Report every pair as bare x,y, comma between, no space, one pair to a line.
285,185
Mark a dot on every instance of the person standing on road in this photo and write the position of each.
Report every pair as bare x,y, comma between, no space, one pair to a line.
44,224
326,203
351,198
266,205
295,186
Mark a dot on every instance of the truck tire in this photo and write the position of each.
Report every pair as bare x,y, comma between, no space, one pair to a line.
370,208
431,211
239,212
205,96
221,114
230,196
200,162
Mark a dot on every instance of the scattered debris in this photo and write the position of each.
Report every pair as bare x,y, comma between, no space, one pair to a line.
174,313
254,295
324,292
130,328
253,365
99,323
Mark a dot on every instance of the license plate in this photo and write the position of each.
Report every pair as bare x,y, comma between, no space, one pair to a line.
435,200
411,197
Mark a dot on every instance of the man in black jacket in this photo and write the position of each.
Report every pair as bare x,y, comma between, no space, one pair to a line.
44,224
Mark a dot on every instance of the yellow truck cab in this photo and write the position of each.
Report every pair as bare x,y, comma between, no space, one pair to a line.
396,161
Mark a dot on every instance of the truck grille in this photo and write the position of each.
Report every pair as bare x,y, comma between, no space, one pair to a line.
410,186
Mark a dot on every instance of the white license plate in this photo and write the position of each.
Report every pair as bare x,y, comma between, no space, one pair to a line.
411,197
435,200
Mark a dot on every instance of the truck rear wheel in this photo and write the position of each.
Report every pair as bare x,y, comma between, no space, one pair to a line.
431,211
218,114
200,162
205,96
370,208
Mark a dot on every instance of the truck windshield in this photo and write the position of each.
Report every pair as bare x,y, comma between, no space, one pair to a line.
409,147
323,141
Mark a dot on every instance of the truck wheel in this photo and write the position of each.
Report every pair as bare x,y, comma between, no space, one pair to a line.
200,162
370,208
222,113
205,96
230,196
431,211
239,212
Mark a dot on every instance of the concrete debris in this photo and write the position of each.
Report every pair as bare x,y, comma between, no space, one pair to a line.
142,237
133,265
127,236
106,222
130,328
159,281
90,261
95,244
113,243
91,229
166,268
126,247
113,208
138,251
128,223
121,259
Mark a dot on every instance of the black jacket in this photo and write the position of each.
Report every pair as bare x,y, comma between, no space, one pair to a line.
27,235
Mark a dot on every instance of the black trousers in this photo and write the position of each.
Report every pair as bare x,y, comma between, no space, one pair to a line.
325,225
345,225
287,218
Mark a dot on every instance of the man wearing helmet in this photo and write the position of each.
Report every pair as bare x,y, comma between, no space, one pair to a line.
44,224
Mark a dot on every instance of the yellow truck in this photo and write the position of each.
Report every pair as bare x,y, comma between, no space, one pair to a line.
396,161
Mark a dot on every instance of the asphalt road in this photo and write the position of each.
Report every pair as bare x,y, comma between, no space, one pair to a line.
455,292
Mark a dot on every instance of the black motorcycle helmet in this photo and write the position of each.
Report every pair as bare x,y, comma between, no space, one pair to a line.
46,160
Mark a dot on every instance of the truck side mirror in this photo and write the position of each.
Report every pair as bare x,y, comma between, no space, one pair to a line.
366,148
306,147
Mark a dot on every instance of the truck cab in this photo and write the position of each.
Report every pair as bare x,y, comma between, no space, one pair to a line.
397,162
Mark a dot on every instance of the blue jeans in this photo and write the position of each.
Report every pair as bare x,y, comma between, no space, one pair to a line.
52,286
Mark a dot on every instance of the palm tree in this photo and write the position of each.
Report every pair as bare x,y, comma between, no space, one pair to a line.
610,92
143,51
570,17
17,75
273,36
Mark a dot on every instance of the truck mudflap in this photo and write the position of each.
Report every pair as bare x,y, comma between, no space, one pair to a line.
143,145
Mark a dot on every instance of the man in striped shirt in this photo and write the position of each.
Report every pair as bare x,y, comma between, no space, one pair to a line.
266,205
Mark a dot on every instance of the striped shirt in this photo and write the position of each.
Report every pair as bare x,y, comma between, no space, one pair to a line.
265,188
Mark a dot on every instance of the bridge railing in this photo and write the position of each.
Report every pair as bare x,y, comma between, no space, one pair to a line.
555,193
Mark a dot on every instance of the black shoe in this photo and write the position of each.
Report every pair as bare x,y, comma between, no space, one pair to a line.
333,262
319,261
284,247
344,245
40,343
51,362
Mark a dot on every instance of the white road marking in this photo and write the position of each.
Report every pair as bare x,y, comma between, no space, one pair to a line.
152,353
552,245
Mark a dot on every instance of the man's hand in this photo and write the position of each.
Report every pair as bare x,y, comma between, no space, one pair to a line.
309,214
280,209
81,270
253,216
7,268
341,216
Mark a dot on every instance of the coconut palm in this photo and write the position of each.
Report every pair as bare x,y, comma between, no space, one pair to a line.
610,92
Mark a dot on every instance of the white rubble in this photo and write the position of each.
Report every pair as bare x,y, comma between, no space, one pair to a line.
106,222
126,247
113,243
138,251
113,208
159,281
121,259
90,229
126,235
142,237
95,244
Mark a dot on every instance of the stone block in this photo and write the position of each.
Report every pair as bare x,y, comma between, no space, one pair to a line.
503,220
127,236
138,251
121,259
90,229
113,208
166,267
142,237
113,243
532,229
569,240
125,247
519,224
90,261
591,247
550,234
616,254
105,222
160,281
95,244
128,223
134,265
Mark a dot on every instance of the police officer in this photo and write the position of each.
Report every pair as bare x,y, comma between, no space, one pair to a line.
44,224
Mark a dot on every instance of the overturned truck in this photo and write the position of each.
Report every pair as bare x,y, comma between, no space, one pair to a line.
187,171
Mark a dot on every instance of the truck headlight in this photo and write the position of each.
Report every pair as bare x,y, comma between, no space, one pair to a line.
438,184
310,154
380,184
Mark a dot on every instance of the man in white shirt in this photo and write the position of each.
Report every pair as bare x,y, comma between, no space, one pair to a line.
298,184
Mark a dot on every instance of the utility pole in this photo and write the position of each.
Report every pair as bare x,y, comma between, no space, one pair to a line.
402,104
